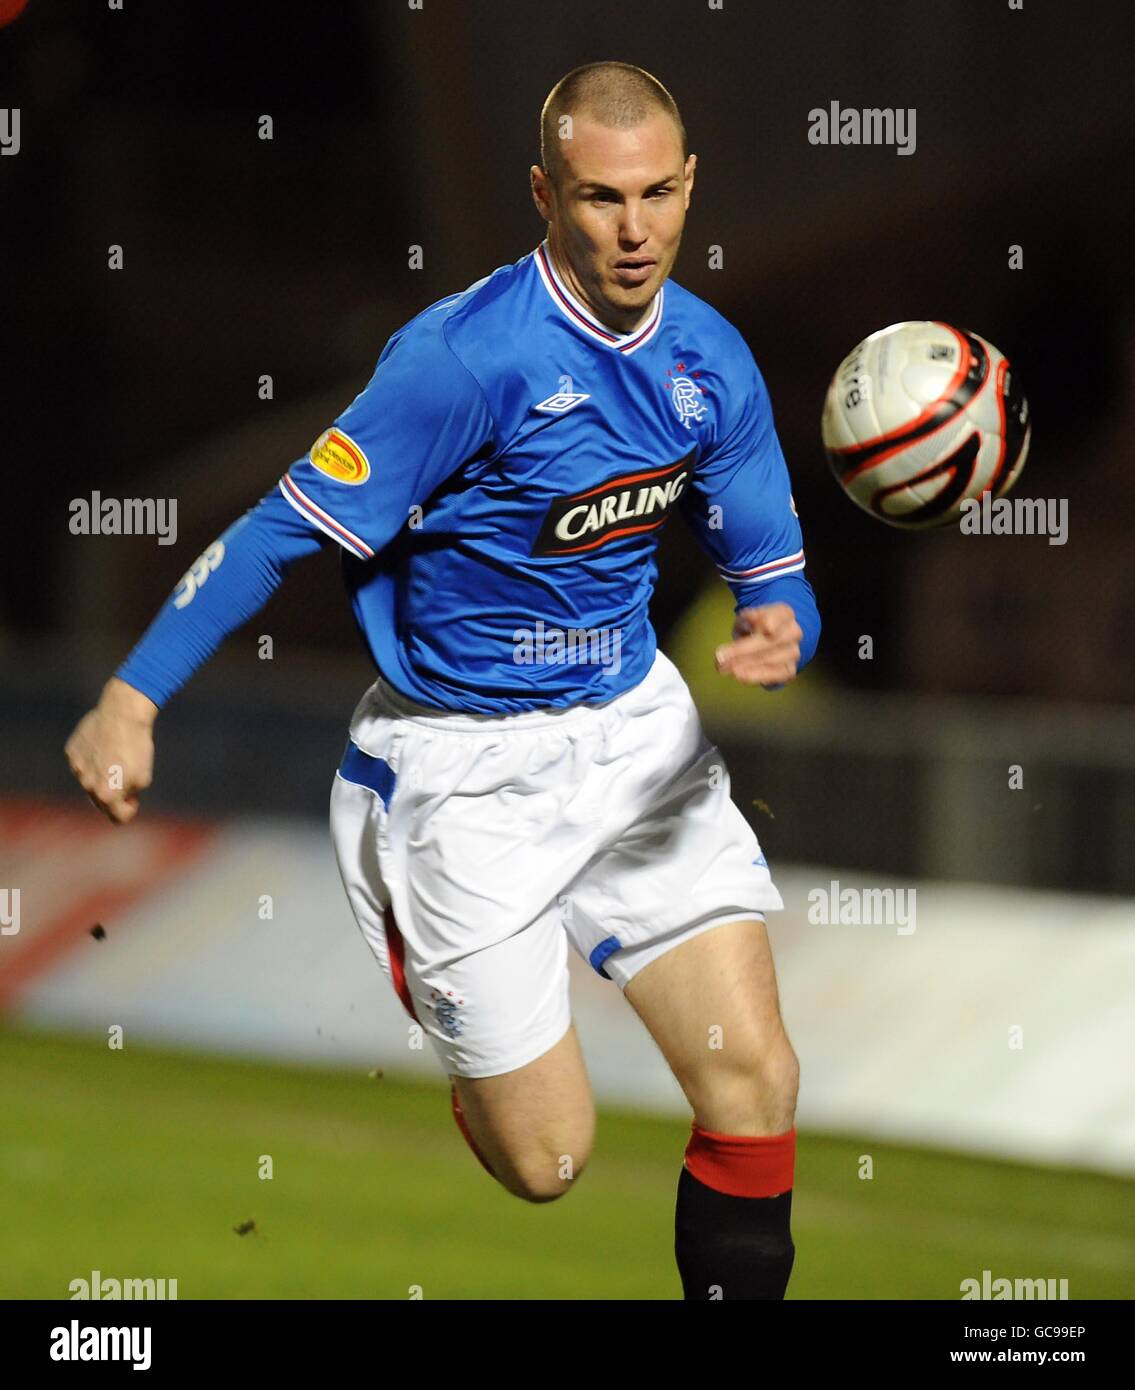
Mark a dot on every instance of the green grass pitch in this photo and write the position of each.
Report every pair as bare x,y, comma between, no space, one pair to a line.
140,1163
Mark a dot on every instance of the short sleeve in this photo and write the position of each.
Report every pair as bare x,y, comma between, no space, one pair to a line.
419,418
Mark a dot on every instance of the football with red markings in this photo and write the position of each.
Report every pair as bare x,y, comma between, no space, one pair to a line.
921,417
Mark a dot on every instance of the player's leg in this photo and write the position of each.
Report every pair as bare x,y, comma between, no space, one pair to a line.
532,1128
458,900
500,1021
520,1092
711,1005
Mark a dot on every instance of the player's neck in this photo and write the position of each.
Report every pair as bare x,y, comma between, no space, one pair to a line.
610,318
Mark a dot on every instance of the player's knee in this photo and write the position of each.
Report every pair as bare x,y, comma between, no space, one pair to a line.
538,1187
549,1173
756,1092
780,1071
768,1070
775,1083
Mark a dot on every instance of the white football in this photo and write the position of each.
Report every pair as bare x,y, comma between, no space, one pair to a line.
920,417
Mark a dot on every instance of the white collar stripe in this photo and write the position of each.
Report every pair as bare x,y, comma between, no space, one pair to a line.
571,307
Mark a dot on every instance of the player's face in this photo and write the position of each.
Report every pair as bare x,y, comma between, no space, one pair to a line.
615,213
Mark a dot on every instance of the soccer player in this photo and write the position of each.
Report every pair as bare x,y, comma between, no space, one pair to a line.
528,770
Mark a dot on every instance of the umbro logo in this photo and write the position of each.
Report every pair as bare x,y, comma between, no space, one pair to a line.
562,401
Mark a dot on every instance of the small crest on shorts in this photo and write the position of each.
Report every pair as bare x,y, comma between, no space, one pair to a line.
445,1010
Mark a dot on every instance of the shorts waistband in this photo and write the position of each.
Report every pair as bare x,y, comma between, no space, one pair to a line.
461,722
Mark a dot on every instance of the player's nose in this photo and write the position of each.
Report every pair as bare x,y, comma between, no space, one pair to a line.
632,230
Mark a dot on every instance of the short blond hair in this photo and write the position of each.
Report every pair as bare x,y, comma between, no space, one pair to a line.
617,95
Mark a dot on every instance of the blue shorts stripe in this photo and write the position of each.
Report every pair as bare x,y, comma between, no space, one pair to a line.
367,771
601,952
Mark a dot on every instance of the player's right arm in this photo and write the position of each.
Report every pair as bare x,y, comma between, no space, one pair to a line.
111,751
417,420
116,734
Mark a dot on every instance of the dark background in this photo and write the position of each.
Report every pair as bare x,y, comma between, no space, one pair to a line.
396,127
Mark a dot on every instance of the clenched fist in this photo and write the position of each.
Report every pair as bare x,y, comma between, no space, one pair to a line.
111,751
765,649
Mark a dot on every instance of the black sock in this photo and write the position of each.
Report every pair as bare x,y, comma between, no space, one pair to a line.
731,1247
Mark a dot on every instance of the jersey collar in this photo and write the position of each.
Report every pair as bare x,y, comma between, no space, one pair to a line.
586,321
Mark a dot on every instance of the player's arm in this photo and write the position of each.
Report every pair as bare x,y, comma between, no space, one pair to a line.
420,416
739,504
111,751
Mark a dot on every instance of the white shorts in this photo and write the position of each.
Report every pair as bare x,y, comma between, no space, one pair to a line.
474,847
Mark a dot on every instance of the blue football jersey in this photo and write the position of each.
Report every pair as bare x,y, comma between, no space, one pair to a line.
499,485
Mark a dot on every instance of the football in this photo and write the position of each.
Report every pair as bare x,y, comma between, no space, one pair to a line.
919,418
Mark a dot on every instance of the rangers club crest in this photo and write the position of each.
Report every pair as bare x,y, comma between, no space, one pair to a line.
445,1008
687,397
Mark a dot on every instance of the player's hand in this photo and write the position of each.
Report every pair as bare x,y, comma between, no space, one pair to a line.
765,649
111,751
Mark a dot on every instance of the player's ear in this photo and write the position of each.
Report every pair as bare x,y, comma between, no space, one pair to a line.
541,191
688,175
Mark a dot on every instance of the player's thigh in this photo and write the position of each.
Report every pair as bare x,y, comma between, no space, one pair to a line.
712,1006
535,1125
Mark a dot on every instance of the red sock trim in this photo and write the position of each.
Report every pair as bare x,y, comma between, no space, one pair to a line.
743,1165
459,1116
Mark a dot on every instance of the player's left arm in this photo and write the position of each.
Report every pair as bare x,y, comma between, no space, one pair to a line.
739,503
